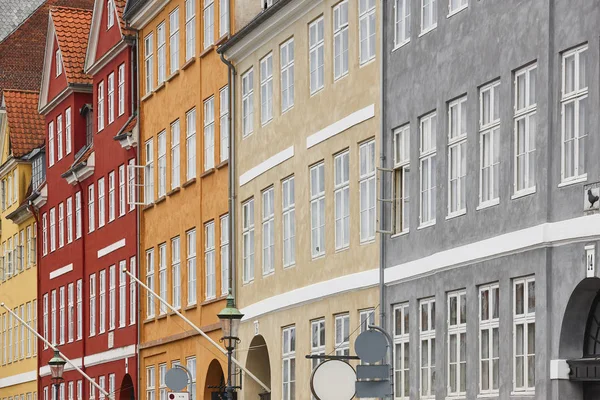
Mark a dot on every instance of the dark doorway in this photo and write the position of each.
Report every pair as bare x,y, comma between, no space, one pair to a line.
127,390
591,391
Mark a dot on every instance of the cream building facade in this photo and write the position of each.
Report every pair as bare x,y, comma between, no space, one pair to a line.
306,124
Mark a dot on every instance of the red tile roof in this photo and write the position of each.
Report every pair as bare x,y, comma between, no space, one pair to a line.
26,125
72,27
120,5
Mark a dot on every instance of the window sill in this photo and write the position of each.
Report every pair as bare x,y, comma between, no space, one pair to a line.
488,395
342,249
207,50
403,233
147,96
456,397
212,300
317,257
402,44
173,75
528,393
367,62
426,225
523,193
207,172
248,282
573,181
268,274
265,123
191,307
222,39
367,241
171,313
188,63
161,316
222,164
160,87
454,12
173,191
316,92
148,206
456,214
160,199
286,267
423,33
149,319
488,204
188,183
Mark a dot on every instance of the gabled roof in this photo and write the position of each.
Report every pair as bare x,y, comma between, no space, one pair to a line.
26,125
120,6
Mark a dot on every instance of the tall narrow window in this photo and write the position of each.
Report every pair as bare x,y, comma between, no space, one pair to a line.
79,309
101,106
427,161
70,312
489,141
112,297
266,89
191,366
525,128
78,220
209,23
58,62
367,191
286,60
91,208
150,283
149,61
317,341
288,194
489,339
401,178
92,304
427,347
457,344
316,55
162,385
190,29
341,165
61,321
132,291
224,123
248,102
162,276
428,15
223,17
457,156
191,266
190,144
224,254
161,51
44,234
401,22
248,240
366,20
289,363
61,225
102,301
120,95
342,335
176,272
317,209
150,383
131,185
110,14
268,231
524,334
401,351
52,237
30,323
69,221
111,196
149,172
50,146
111,98
174,40
340,39
122,195
209,260
101,202
68,131
59,138
162,164
175,155
209,134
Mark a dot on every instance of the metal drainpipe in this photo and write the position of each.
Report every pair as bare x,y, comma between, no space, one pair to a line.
38,258
382,305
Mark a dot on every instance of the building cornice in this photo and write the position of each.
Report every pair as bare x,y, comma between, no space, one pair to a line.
139,18
106,58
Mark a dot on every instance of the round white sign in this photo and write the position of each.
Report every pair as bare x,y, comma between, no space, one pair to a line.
333,380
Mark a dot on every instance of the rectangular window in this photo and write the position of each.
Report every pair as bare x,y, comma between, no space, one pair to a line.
176,272
340,40
150,383
191,266
209,260
525,128
149,61
91,208
457,156
101,202
44,234
175,155
59,139
61,225
58,62
111,97
489,142
316,55
268,231
174,40
289,363
286,59
78,222
71,312
341,165
224,122
366,20
457,344
428,15
368,196
223,17
162,164
79,309
102,301
401,351
50,145
289,221
401,22
524,334
111,384
401,179
122,195
190,144
248,240
224,254
209,134
427,347
209,23
427,161
131,185
342,335
101,106
191,366
317,341
92,304
68,131
190,29
162,276
317,209
161,45
46,329
162,385
112,297
69,220
149,172
132,290
248,102
121,94
110,14
150,283
30,323
52,236
455,6
266,89
489,339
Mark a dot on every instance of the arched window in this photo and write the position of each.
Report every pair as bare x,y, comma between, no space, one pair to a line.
591,342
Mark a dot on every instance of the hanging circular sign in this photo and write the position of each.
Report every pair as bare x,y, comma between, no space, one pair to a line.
333,380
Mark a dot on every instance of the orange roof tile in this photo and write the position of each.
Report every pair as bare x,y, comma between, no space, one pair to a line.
26,125
120,5
72,27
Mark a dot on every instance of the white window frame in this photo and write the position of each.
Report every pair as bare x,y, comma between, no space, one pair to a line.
58,62
489,322
92,282
428,15
150,383
52,236
50,147
174,41
367,26
71,312
288,380
161,52
455,6
457,329
149,62
61,323
69,221
341,196
79,309
248,241
266,89
489,132
150,308
342,335
91,208
112,297
223,18
340,40
59,141
316,40
111,97
457,157
402,351
224,122
175,154
286,60
288,191
111,196
208,17
402,26
110,14
427,156
190,144
367,182
427,336
525,124
190,29
224,220
523,319
191,266
176,272
68,130
100,106
268,231
78,215
247,103
102,301
317,342
61,225
401,182
149,172
162,164
132,291
209,133
121,92
101,202
317,204
162,276
209,260
122,191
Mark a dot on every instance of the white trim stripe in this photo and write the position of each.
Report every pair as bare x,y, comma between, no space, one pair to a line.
61,271
340,126
266,165
110,248
98,358
18,379
45,370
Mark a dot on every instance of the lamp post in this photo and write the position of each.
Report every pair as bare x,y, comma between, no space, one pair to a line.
57,367
230,318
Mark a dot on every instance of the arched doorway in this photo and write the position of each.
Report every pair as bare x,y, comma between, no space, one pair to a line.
127,391
258,363
215,382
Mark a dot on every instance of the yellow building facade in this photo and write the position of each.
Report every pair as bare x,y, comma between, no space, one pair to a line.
183,186
21,141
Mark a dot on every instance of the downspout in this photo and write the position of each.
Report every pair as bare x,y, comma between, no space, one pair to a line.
382,305
38,258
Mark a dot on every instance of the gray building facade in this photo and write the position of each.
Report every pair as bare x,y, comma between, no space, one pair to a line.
491,143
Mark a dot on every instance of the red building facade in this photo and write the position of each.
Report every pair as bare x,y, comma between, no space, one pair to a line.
87,229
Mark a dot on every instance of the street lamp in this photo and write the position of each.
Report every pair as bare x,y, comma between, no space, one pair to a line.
57,367
230,318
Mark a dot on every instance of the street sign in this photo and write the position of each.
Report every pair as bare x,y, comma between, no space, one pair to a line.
333,380
179,396
371,346
373,389
176,379
380,372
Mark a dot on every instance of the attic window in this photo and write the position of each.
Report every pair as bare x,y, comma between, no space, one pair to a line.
59,66
110,14
266,4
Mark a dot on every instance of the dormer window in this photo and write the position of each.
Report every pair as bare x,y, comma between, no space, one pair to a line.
110,14
58,62
38,171
88,114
